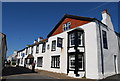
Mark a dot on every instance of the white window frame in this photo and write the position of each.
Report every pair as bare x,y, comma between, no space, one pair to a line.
81,38
71,35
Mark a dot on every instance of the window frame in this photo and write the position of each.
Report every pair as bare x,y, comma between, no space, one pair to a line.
81,39
43,47
104,39
53,48
72,39
37,48
41,64
55,61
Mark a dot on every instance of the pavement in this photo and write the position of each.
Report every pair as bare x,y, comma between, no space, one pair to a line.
22,73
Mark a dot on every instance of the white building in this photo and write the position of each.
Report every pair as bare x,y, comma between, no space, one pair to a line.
12,58
77,46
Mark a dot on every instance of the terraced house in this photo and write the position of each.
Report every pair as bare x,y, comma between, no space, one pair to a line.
77,46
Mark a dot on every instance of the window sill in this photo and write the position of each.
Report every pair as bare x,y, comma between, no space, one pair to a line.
56,67
53,50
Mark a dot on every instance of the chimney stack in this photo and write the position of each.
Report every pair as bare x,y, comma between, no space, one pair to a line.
106,19
40,38
35,41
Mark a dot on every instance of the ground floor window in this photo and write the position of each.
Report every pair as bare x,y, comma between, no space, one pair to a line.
72,62
55,61
80,62
39,61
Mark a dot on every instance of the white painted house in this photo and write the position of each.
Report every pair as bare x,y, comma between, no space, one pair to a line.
77,46
12,58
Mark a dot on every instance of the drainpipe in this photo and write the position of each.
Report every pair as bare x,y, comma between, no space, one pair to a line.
101,47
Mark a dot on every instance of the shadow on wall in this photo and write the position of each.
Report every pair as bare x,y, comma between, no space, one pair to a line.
15,70
112,78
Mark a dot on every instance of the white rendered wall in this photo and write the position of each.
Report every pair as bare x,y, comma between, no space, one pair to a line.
48,53
108,54
119,55
91,61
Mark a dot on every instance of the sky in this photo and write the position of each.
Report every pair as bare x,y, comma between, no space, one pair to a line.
23,22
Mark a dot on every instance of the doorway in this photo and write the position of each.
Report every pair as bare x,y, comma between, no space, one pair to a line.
115,63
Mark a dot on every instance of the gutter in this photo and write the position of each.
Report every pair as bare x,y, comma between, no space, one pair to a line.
102,58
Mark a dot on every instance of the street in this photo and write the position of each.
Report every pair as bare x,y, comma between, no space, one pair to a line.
22,73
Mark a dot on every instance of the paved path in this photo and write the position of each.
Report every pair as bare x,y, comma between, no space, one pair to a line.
21,73
27,76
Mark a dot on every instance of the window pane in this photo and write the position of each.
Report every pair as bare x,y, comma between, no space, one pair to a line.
79,38
54,45
43,48
72,38
55,63
39,61
104,39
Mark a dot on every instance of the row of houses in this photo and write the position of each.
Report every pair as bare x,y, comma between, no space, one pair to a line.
77,46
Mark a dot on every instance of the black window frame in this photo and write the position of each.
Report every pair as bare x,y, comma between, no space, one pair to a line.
55,59
72,39
105,42
53,48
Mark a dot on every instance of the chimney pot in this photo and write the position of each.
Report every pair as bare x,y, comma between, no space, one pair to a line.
105,11
35,41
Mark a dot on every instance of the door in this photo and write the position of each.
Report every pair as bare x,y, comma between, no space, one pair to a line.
115,63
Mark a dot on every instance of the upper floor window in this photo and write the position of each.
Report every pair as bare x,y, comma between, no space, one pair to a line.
66,26
76,37
59,42
48,46
37,49
31,50
105,45
80,38
43,47
72,39
26,51
53,45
